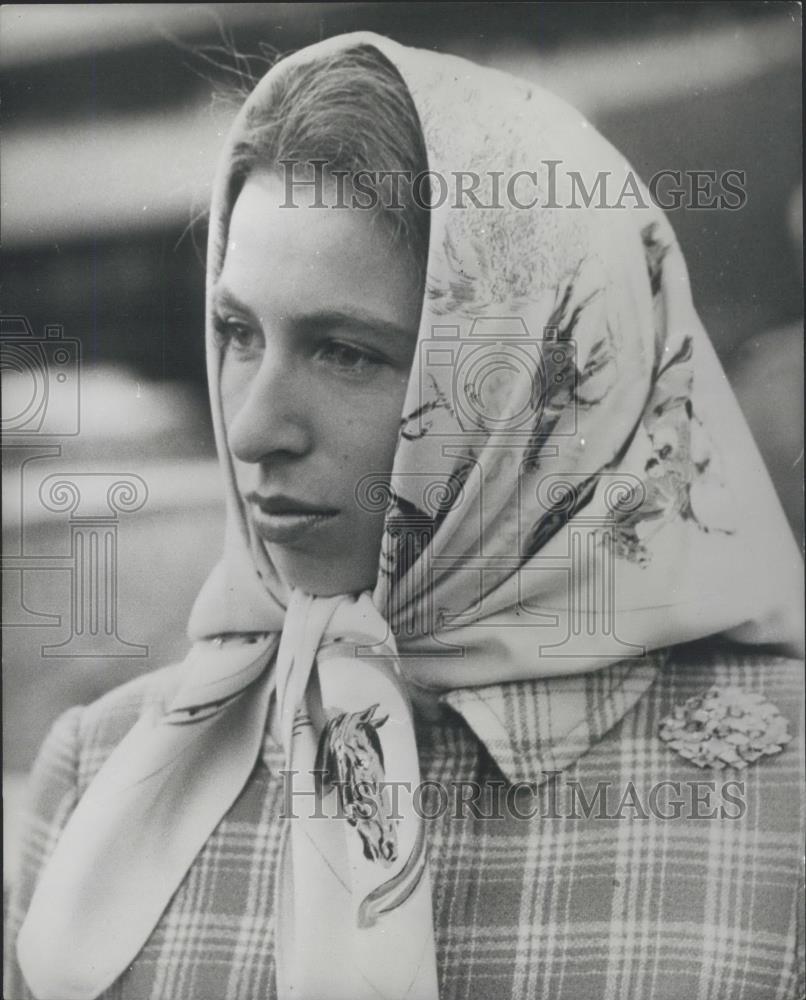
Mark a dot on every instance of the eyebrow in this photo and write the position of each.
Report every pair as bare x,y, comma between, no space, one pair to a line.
223,298
321,319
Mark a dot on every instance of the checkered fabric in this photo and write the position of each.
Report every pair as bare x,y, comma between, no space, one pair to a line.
563,886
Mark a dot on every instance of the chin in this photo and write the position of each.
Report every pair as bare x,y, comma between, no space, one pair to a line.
323,578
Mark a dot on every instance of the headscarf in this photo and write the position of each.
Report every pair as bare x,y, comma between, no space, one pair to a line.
573,486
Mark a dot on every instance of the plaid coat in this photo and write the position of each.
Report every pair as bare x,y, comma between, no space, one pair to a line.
539,888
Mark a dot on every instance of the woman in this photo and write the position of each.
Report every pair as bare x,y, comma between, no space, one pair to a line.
480,463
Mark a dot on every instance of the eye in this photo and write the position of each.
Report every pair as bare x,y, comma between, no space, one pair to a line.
349,357
236,336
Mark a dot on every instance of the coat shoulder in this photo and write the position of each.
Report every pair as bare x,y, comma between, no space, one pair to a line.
75,748
101,725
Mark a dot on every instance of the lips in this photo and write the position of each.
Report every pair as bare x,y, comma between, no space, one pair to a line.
283,520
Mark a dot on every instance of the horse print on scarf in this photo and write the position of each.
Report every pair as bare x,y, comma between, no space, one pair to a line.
350,757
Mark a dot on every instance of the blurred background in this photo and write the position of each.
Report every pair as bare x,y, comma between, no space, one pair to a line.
112,116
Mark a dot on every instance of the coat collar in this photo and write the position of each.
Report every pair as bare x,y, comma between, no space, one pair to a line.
531,728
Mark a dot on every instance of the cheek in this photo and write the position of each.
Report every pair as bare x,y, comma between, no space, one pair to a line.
369,433
233,383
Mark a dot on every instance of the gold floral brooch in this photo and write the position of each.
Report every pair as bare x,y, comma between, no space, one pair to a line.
725,727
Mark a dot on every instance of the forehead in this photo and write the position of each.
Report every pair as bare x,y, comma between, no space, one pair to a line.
282,259
267,216
269,236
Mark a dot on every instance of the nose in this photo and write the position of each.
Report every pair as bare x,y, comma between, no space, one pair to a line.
271,415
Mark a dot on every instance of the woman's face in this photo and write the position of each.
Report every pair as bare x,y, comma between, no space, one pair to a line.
317,312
